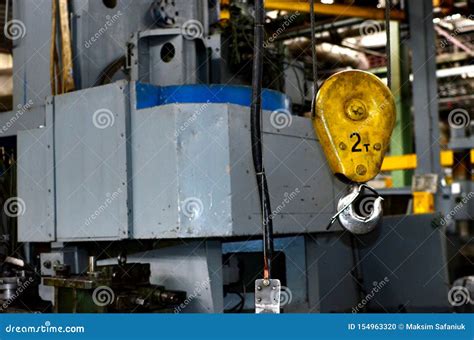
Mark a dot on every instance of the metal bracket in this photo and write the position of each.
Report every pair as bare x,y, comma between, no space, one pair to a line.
267,296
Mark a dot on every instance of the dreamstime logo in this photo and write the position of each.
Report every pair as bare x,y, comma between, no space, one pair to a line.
109,22
288,197
192,207
14,29
14,207
103,296
199,287
46,328
103,118
288,21
110,198
192,29
281,118
22,109
366,205
377,287
286,296
19,291
191,119
369,27
449,37
459,119
457,208
459,295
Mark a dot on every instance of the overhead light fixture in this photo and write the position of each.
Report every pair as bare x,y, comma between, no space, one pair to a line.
272,14
327,2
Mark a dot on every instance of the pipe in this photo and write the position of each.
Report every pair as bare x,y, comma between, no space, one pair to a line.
331,54
92,264
305,30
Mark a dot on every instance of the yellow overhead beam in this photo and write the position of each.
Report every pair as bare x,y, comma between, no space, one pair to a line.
404,162
225,14
334,9
409,162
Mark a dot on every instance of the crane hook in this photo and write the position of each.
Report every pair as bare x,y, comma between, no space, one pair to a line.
351,220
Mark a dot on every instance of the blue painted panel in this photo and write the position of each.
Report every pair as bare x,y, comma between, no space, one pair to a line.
149,96
237,326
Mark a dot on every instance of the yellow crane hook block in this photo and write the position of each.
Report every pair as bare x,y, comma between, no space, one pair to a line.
354,119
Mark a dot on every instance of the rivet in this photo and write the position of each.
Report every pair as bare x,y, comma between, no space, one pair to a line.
361,170
355,109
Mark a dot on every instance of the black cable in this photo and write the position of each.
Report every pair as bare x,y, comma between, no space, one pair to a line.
256,137
315,60
356,269
388,7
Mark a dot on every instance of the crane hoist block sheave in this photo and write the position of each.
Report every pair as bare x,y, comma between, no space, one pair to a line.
354,119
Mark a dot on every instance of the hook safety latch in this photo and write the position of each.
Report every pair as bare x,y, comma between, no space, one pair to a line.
350,219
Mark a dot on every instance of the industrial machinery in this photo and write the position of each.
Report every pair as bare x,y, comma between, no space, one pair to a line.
354,119
113,288
136,137
17,285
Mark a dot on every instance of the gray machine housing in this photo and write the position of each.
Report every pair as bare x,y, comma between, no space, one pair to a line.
160,172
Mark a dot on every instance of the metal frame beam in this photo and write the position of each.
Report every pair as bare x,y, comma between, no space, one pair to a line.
319,8
334,9
425,88
410,161
402,136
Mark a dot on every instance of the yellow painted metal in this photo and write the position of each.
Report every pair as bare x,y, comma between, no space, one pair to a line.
61,63
446,158
225,14
53,52
355,116
409,162
404,162
423,203
333,9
